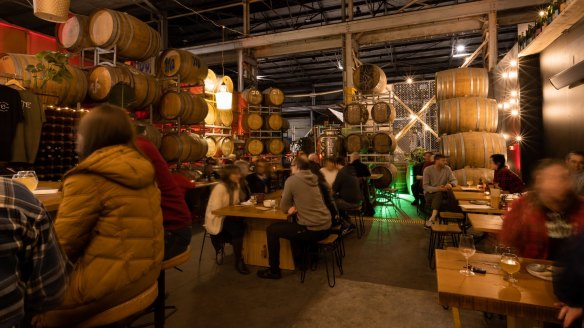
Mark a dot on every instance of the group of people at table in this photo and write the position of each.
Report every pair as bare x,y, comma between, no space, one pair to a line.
547,222
123,213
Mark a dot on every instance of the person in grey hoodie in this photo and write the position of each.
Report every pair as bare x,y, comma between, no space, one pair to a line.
301,196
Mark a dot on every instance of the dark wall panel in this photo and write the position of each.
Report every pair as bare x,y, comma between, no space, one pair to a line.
563,110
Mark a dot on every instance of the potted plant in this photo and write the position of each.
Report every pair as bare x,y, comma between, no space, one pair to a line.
51,67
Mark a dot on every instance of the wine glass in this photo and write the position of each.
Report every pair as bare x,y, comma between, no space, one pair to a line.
469,183
27,178
510,264
467,249
274,205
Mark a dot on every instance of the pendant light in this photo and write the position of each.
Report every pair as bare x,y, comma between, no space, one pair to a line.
223,97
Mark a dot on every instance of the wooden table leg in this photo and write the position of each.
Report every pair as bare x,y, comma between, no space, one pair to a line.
456,317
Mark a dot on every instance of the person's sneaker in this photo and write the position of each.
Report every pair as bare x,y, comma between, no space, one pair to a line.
428,224
347,230
268,274
219,255
241,267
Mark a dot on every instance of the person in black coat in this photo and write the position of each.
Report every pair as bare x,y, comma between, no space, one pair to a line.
259,182
568,282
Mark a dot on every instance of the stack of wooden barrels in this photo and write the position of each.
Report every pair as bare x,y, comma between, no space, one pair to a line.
468,122
263,121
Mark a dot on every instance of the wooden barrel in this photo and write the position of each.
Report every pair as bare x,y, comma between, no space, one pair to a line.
273,122
195,110
356,143
370,79
473,174
252,121
253,96
462,82
198,146
68,92
133,38
146,88
211,114
226,145
225,117
174,148
273,97
467,114
383,113
389,175
254,146
383,143
174,104
103,78
275,146
471,148
210,81
356,114
184,65
73,35
226,80
285,125
212,149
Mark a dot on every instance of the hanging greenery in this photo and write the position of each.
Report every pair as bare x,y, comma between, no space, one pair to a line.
51,67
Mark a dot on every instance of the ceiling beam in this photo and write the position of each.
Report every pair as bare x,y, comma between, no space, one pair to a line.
427,16
282,49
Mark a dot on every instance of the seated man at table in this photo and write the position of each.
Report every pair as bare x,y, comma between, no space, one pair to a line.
506,179
346,190
437,179
575,162
539,223
34,269
417,187
176,216
301,196
259,182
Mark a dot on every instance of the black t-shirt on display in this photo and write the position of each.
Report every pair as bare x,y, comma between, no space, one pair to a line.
10,115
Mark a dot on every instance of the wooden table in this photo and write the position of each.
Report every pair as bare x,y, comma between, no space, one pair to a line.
204,184
486,223
50,201
255,244
470,195
489,210
526,304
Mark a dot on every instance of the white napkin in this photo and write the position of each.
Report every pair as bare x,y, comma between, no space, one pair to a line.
45,191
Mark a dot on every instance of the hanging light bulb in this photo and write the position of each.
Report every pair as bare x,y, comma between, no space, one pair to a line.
223,98
514,112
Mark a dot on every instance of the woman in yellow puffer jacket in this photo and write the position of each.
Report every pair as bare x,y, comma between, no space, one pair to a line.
109,222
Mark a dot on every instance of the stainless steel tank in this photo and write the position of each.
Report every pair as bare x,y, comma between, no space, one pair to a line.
330,143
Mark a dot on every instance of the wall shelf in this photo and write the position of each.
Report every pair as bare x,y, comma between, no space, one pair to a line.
570,16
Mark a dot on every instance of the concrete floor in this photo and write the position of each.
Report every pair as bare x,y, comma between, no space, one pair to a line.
387,283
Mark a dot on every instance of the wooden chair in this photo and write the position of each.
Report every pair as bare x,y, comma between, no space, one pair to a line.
337,230
438,235
329,247
358,216
453,217
123,311
159,305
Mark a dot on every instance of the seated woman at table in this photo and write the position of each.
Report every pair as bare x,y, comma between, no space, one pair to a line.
109,222
539,223
231,191
506,179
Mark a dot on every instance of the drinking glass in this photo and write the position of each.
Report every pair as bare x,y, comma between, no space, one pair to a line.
467,249
27,178
510,264
469,183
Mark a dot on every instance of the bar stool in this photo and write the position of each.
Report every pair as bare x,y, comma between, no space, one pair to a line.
453,217
123,311
328,247
337,230
438,235
359,223
218,260
160,307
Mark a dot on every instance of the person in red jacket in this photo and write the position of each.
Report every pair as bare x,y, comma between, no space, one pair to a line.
539,224
176,216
